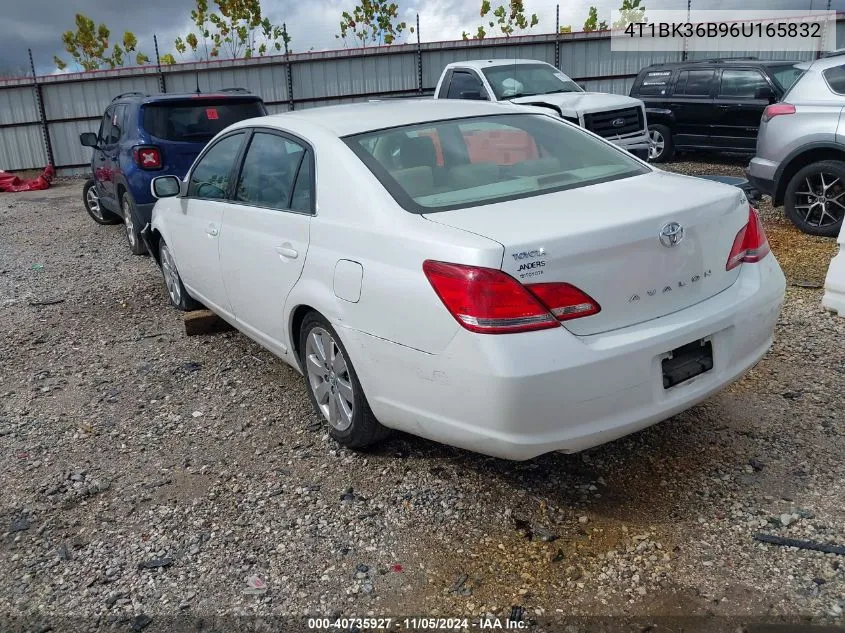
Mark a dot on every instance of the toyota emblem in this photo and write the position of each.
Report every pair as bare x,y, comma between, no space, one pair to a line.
671,234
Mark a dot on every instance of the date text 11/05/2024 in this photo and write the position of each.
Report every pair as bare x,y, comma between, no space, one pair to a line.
416,624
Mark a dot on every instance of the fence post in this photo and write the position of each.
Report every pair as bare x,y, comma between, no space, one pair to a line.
684,52
162,84
39,103
288,70
557,36
419,58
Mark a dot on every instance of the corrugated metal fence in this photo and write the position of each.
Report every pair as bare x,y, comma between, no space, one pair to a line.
40,121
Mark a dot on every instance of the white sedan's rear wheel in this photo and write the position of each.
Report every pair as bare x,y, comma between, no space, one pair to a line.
333,386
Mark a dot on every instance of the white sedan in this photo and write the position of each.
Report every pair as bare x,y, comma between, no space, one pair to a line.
473,273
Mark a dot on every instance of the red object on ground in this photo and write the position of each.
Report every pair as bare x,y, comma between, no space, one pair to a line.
11,183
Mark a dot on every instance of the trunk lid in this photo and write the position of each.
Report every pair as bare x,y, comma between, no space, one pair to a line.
605,239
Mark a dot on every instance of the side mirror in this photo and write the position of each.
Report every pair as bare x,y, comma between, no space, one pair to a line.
475,95
166,186
88,139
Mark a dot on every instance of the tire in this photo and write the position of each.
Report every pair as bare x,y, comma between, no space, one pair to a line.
319,344
94,206
179,297
662,148
815,198
130,223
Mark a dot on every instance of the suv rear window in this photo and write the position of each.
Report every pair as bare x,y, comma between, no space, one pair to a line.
196,121
475,161
835,78
655,83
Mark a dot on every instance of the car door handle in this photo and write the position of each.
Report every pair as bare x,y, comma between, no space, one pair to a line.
212,230
287,251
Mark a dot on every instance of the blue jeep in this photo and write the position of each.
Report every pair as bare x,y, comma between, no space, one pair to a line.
143,136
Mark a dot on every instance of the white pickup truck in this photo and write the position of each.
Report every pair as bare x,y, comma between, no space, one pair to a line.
619,119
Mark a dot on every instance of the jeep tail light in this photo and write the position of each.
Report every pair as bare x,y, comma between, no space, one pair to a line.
147,157
490,301
750,244
777,109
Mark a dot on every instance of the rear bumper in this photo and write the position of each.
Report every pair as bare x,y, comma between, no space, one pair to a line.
520,396
762,174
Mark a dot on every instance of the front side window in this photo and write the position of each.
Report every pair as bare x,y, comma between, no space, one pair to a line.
210,178
106,132
483,160
465,85
524,80
655,83
270,173
742,84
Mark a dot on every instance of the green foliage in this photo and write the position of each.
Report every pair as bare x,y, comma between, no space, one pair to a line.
566,28
235,29
89,46
508,18
631,11
167,59
372,22
592,22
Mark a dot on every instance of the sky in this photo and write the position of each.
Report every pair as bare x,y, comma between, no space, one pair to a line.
38,24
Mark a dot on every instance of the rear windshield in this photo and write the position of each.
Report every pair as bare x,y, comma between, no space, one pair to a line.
785,76
458,163
197,121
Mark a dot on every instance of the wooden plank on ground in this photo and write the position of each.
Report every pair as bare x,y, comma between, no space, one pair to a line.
204,322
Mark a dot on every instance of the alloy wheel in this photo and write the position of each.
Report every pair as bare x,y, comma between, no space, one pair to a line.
821,200
329,379
171,276
93,200
656,144
128,222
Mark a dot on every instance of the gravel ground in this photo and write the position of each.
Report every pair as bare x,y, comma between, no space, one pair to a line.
147,474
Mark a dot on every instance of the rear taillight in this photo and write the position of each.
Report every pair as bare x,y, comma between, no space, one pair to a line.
750,244
777,109
147,157
490,301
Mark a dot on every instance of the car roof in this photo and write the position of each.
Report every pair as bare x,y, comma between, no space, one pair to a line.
480,64
727,61
233,93
357,118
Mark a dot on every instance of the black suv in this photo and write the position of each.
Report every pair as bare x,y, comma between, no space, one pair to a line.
709,104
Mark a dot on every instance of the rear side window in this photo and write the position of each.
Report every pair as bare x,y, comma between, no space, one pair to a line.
475,161
196,121
785,76
694,83
270,171
742,84
655,83
835,78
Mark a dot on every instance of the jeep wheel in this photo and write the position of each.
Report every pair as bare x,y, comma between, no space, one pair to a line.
94,206
815,198
130,223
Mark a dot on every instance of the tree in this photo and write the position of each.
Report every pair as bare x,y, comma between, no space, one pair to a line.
374,22
236,29
566,28
592,23
508,18
89,46
631,12
167,59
